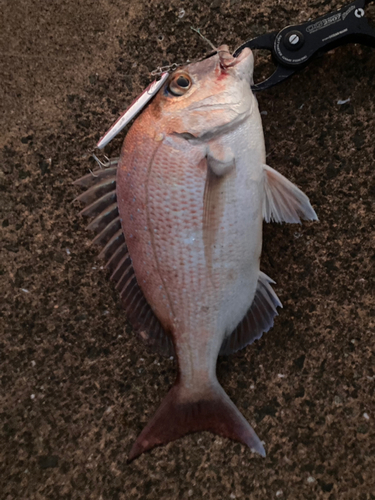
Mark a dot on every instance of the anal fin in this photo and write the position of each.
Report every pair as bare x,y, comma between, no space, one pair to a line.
284,201
258,319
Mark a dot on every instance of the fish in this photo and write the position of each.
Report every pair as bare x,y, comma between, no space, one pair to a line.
179,216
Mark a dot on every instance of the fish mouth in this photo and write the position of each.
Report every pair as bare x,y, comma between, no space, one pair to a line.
227,60
244,54
243,65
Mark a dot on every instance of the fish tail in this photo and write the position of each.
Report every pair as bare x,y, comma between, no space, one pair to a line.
180,414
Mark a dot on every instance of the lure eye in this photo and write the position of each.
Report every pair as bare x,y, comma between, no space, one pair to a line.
179,85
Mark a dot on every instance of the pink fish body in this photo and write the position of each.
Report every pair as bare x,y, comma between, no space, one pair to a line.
192,192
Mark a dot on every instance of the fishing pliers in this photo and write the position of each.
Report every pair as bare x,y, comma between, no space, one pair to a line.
295,46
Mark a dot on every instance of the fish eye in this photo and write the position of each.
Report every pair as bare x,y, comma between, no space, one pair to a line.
179,85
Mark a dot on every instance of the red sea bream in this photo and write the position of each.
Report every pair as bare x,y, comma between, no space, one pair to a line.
180,215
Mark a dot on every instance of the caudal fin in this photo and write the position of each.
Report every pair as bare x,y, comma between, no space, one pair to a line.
177,416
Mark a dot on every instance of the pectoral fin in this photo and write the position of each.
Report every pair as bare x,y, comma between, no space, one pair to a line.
284,202
219,171
220,159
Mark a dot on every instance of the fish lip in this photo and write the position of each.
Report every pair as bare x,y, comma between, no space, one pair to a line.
244,54
242,65
234,61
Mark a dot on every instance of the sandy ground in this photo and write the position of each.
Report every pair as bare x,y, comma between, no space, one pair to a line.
77,385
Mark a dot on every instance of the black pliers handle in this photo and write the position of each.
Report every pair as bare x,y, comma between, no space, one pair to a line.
293,47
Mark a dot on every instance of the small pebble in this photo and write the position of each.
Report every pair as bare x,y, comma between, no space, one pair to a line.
310,480
337,400
279,493
366,416
340,101
32,396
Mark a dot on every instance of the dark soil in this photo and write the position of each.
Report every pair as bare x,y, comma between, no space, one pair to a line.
77,385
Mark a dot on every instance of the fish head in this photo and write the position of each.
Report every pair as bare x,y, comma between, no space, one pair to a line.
205,97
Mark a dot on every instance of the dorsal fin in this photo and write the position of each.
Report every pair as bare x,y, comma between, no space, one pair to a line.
257,320
100,198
